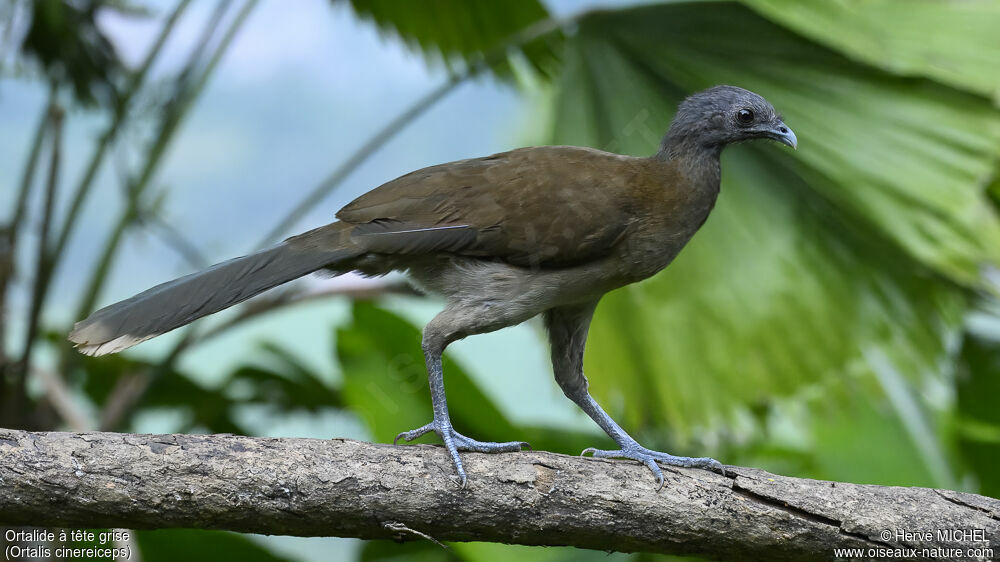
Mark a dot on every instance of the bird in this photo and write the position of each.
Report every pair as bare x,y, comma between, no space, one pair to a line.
545,230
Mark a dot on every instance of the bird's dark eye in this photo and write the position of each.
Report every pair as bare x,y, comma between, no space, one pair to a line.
744,116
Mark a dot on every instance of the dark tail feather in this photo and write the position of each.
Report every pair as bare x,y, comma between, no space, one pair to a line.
181,301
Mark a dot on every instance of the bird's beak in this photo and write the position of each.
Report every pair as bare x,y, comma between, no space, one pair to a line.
781,133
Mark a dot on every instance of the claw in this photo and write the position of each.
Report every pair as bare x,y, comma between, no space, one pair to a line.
716,466
414,433
651,464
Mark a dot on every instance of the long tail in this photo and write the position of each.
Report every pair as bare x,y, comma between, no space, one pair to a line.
182,301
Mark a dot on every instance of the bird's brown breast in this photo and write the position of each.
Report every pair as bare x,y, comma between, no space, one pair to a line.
670,206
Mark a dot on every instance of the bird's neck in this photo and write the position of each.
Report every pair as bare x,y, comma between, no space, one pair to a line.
698,162
680,142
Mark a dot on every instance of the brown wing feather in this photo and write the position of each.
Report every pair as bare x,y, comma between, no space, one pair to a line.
542,206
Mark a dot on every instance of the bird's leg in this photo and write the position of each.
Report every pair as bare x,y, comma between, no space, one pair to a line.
630,449
441,424
568,335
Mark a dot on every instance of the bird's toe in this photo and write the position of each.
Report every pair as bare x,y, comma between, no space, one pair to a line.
464,443
653,459
455,442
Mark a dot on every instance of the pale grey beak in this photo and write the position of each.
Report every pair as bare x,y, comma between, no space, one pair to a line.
781,133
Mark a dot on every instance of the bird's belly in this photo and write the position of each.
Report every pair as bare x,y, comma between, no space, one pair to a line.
519,291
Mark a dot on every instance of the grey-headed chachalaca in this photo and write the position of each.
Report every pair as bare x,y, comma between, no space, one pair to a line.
545,230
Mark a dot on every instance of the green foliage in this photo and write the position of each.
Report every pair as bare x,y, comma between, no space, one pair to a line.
953,42
978,382
473,31
202,407
424,551
286,386
384,551
842,429
193,545
66,40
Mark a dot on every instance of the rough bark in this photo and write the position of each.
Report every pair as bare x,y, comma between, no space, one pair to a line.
348,488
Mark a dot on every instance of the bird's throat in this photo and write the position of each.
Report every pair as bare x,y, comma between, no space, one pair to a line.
698,165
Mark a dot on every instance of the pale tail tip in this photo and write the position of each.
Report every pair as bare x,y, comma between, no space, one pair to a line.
86,343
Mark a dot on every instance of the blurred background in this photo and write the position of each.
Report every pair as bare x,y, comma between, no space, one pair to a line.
836,318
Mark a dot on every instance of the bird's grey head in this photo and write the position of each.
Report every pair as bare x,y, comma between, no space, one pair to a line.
721,115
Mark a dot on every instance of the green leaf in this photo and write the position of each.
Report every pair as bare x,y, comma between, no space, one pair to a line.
839,430
521,553
978,416
192,545
409,551
425,551
289,385
65,38
467,30
812,260
954,42
101,377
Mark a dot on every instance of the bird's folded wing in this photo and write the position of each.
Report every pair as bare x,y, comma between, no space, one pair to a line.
543,206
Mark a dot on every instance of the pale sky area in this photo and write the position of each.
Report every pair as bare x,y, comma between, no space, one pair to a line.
297,92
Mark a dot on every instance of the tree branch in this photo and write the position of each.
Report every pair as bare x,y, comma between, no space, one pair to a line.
340,487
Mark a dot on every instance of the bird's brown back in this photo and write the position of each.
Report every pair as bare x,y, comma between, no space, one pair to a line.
551,206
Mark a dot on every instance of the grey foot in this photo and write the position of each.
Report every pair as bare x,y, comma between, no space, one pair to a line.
650,458
455,442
